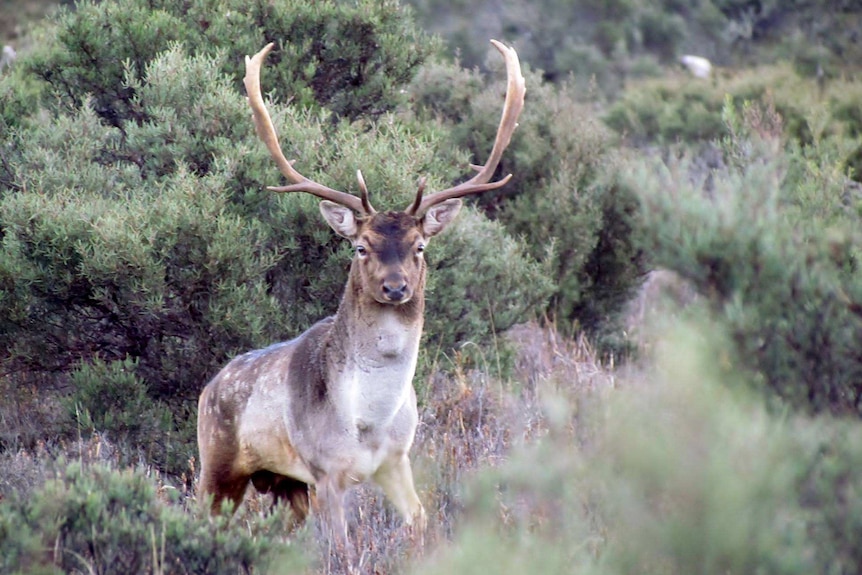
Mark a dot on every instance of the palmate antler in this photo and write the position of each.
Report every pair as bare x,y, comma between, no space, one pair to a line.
514,103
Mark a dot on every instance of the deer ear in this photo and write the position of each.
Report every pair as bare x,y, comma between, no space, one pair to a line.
340,219
438,217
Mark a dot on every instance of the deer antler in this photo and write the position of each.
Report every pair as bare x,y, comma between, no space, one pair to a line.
266,132
515,91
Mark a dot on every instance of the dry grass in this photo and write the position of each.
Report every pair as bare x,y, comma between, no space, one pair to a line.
558,471
470,423
27,414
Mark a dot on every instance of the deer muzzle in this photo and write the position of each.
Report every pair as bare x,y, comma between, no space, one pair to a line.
395,290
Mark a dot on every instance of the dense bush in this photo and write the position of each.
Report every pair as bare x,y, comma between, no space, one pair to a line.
613,42
95,519
481,313
668,111
348,58
774,249
162,273
112,400
139,251
683,110
596,42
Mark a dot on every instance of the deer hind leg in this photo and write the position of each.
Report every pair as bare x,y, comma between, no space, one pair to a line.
221,485
396,479
284,489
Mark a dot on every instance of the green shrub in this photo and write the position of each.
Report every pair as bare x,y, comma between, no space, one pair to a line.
504,284
829,493
596,42
662,33
170,278
682,109
667,111
193,261
100,520
18,92
348,58
146,235
608,41
111,399
846,106
775,253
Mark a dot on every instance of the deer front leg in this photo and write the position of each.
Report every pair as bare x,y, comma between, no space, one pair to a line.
396,479
330,502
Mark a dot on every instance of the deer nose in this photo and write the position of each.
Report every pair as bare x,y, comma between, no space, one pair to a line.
395,290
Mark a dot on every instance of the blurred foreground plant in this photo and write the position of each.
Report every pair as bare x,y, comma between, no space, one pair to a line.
681,470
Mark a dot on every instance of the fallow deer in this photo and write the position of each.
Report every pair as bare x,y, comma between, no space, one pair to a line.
336,406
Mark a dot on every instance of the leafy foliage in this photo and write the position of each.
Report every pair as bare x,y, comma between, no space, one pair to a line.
596,42
139,251
668,111
481,313
347,58
111,399
723,484
612,43
775,255
684,110
102,520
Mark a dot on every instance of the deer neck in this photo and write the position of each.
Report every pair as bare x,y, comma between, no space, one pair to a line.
373,333
371,356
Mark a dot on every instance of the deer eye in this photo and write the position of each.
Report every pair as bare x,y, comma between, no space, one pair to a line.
361,251
420,248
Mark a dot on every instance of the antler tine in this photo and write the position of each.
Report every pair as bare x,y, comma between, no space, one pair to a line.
414,207
515,90
366,203
266,132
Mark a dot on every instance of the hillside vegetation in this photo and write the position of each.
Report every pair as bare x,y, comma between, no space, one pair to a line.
566,426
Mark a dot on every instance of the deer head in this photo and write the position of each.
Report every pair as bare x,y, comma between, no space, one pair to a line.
389,245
